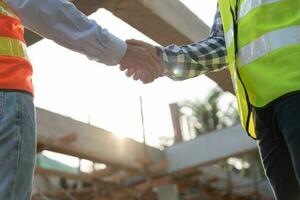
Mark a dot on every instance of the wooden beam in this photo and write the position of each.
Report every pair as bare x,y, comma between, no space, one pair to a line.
210,175
49,172
167,22
164,21
92,143
118,176
103,172
100,188
209,148
90,6
240,185
180,25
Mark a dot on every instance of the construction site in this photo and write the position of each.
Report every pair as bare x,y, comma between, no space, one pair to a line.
201,168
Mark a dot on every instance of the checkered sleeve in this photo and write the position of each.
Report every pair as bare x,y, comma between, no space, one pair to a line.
188,61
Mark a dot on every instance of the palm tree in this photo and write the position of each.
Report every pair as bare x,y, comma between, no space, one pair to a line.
211,114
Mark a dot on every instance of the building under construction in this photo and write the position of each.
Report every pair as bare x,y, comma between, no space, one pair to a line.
188,170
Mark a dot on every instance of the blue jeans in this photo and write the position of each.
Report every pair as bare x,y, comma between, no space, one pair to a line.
278,129
17,145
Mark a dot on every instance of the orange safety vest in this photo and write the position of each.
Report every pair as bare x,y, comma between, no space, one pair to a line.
15,68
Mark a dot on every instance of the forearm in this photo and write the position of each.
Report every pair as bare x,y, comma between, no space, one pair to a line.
61,22
188,61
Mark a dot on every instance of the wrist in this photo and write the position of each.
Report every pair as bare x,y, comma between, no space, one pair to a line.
160,54
118,49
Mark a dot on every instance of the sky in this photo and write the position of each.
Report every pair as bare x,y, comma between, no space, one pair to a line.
69,84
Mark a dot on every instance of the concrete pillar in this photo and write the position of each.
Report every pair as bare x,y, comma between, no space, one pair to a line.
174,109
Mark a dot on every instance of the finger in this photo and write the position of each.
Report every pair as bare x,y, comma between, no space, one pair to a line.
136,42
143,77
158,64
122,68
145,64
148,78
137,75
144,61
147,81
130,72
140,43
150,48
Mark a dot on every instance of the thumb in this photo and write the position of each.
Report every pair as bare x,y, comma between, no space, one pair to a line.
138,43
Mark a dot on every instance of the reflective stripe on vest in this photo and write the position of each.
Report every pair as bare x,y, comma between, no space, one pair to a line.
12,47
268,43
267,18
268,50
15,68
247,6
229,36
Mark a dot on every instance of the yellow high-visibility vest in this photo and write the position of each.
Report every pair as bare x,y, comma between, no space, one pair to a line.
15,68
263,51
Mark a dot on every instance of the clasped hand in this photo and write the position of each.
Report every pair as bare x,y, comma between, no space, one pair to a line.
141,62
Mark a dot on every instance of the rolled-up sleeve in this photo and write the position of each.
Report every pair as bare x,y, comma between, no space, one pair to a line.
62,22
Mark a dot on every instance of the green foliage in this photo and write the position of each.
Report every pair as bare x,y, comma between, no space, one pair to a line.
215,112
211,114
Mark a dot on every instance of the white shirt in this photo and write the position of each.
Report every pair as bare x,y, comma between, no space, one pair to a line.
60,21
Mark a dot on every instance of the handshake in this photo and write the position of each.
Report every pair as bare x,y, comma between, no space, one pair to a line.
141,62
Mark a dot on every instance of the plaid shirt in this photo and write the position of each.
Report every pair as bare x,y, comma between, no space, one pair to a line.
188,61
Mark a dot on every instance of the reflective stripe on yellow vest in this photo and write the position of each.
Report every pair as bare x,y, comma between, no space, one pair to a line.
11,33
263,48
15,68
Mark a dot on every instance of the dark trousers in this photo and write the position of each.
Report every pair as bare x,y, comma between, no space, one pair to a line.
278,130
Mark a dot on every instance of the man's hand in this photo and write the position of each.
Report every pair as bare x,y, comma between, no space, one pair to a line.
141,61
